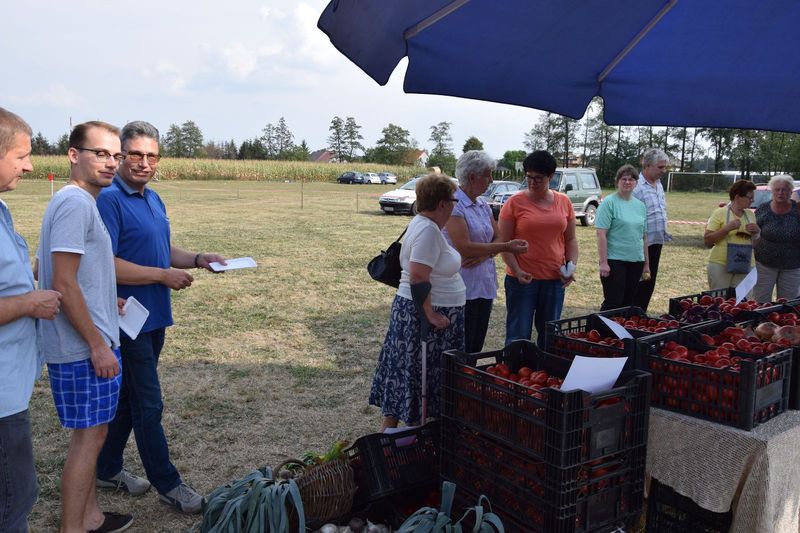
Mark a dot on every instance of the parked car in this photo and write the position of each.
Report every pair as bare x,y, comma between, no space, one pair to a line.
763,194
583,189
500,187
404,199
350,178
387,177
372,177
497,200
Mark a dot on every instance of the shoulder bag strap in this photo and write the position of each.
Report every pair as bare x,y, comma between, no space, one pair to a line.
401,235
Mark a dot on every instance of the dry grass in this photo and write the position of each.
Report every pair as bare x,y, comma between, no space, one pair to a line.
268,363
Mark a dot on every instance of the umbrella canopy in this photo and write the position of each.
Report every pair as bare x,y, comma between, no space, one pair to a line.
711,63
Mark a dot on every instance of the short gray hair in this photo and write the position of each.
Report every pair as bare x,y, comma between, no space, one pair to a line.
786,178
473,163
138,128
10,126
652,156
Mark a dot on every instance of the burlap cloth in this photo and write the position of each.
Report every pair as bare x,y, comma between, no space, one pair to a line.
756,473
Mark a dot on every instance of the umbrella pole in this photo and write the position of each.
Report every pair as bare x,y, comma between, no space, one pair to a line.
419,293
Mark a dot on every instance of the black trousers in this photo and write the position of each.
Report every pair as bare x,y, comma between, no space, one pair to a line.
476,322
644,291
619,288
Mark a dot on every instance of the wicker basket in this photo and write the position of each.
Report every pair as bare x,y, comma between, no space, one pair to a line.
327,489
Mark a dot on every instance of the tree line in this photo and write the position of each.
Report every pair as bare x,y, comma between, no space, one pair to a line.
585,142
591,142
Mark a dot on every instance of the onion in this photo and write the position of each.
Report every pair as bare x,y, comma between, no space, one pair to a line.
766,331
789,333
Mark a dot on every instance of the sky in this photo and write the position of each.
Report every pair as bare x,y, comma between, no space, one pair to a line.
232,67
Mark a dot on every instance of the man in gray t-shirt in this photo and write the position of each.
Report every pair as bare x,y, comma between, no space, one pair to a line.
81,347
73,225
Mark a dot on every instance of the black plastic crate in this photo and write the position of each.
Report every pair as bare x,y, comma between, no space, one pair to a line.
559,339
757,392
670,512
562,428
533,495
676,310
794,390
389,463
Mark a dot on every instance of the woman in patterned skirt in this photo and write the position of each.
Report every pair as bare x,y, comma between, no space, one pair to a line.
425,257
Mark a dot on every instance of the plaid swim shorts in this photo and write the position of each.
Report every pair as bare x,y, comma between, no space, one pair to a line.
82,399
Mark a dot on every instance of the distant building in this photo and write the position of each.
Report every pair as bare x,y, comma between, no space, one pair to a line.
323,156
421,158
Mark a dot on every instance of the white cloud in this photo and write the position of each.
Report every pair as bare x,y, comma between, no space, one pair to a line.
313,44
267,12
54,95
169,76
242,61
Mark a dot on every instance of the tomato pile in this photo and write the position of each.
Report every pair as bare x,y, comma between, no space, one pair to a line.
709,381
588,343
526,492
715,308
736,338
784,319
644,323
534,380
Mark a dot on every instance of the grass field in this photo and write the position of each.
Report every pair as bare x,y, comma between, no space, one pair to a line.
268,363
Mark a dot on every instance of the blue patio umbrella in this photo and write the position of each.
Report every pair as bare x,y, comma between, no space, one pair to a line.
712,63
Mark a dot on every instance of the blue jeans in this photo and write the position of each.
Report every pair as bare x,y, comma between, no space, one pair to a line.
140,409
18,487
538,302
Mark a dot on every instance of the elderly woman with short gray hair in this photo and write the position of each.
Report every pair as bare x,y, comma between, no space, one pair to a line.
777,248
472,231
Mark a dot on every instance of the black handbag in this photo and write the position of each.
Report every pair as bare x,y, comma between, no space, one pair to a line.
385,267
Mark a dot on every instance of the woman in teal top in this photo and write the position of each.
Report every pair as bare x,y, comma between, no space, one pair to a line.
622,241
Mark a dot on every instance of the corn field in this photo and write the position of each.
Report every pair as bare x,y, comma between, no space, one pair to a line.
226,169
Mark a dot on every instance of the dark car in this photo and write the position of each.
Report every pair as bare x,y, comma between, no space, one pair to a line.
350,178
497,200
500,187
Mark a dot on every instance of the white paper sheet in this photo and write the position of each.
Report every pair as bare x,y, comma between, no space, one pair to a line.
618,330
133,319
746,285
567,269
593,374
234,264
403,441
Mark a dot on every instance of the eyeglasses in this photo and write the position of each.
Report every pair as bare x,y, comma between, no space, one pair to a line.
136,157
536,177
102,155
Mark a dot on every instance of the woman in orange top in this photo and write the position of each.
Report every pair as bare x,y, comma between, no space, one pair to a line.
535,280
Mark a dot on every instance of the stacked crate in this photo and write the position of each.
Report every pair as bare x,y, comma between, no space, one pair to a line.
548,460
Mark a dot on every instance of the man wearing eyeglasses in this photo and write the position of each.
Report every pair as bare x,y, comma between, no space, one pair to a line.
21,305
148,266
81,345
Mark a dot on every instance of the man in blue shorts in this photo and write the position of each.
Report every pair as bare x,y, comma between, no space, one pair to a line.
20,306
148,266
81,346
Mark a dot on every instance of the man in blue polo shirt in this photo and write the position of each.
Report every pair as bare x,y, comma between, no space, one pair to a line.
148,266
20,306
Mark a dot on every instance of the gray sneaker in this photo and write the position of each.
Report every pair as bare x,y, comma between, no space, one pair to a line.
127,482
184,498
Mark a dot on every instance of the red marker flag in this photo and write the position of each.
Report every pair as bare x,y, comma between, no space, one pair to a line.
50,176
